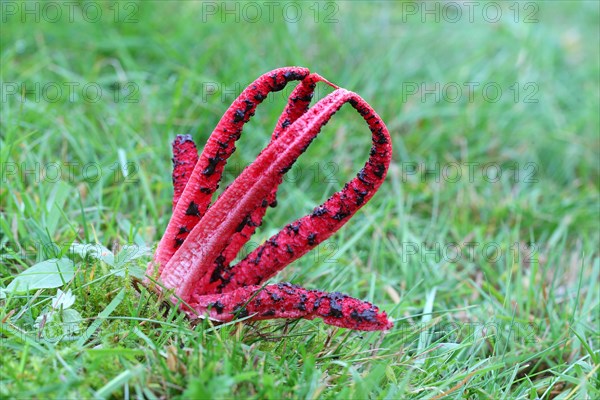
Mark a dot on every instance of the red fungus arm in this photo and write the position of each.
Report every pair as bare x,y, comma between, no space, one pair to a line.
284,300
298,104
185,157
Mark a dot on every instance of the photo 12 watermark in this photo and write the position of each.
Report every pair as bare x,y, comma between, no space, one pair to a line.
69,92
453,12
468,171
318,172
470,92
326,12
226,93
472,331
469,251
71,172
69,11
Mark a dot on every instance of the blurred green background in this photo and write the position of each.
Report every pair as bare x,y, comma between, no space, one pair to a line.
504,94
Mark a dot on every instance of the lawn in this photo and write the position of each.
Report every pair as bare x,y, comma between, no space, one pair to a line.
481,245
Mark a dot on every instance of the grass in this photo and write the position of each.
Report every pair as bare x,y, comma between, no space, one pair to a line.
492,281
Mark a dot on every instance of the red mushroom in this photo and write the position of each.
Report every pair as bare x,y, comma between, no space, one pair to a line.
195,252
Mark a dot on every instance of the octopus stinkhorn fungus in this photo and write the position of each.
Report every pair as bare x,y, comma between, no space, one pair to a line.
195,253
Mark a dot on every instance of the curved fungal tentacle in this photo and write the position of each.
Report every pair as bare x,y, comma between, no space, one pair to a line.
298,104
302,235
185,157
284,300
196,196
